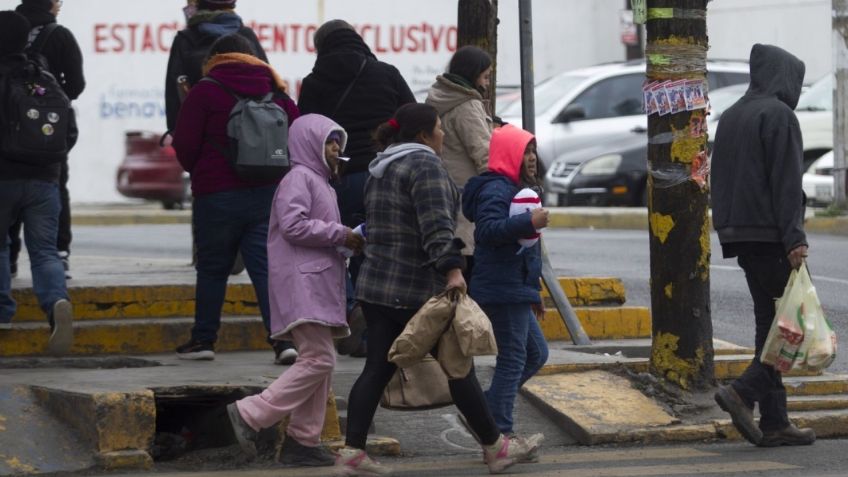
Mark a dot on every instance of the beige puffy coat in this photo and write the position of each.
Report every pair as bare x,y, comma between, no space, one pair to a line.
468,129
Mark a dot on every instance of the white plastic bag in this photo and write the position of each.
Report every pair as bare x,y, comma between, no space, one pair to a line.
784,340
818,350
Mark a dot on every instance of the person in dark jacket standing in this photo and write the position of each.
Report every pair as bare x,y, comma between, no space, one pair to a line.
212,20
758,212
229,213
57,45
350,86
30,192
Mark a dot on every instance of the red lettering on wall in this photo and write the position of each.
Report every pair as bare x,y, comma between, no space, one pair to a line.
147,44
412,36
310,38
99,38
263,34
119,40
279,38
295,30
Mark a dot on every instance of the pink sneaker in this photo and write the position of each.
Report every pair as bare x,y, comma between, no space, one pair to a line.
503,454
355,462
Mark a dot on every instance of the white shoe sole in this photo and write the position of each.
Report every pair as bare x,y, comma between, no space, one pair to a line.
205,355
287,357
62,338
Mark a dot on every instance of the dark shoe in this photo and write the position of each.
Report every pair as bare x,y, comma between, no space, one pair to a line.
356,323
13,269
61,318
245,435
294,454
789,436
361,351
284,353
195,350
65,257
743,416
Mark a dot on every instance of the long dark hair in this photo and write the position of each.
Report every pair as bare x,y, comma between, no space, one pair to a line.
469,62
408,122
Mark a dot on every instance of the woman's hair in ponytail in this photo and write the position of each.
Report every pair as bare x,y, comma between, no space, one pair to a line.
408,122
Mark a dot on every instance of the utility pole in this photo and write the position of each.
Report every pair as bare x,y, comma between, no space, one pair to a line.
682,347
840,101
634,51
477,24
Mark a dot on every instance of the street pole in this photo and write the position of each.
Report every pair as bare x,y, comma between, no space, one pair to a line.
477,24
528,118
636,51
678,199
840,100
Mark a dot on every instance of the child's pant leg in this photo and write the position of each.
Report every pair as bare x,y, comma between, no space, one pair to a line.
510,324
301,391
537,349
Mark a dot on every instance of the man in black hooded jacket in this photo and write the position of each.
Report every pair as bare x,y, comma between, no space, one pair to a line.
758,212
58,47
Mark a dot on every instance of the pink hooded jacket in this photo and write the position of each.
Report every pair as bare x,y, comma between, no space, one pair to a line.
306,273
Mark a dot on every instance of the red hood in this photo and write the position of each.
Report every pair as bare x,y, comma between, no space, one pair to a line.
506,151
244,79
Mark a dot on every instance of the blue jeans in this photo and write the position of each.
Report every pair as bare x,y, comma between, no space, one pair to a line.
522,351
37,204
224,224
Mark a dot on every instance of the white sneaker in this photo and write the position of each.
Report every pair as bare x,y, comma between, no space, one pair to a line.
355,462
62,336
531,444
6,326
286,357
503,454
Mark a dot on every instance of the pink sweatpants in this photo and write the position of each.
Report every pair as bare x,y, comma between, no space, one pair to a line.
301,391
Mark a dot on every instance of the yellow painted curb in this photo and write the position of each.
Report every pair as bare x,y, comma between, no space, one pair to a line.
817,403
164,217
816,385
827,225
584,291
636,219
134,337
731,366
125,460
601,323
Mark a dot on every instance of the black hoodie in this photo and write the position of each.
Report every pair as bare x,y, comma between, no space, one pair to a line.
378,92
758,158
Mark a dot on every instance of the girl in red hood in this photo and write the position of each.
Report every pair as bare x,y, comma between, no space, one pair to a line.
505,280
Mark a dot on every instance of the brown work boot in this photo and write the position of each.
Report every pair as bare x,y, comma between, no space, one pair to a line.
788,436
743,416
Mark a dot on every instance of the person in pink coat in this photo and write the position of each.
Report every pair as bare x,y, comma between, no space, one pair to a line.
307,295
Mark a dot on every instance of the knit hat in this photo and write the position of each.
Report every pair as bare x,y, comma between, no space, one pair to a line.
327,28
216,4
44,5
14,32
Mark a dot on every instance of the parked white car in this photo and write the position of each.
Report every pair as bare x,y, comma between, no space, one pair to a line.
818,181
577,108
815,116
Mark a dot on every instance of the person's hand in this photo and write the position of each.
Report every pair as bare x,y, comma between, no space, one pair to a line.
354,241
456,282
539,218
797,256
538,310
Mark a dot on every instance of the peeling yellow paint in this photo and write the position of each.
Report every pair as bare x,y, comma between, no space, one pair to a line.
675,369
685,147
668,290
19,466
703,267
661,226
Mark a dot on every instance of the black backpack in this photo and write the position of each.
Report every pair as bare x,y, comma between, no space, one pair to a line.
35,114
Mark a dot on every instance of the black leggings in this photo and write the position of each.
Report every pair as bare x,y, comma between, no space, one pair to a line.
384,326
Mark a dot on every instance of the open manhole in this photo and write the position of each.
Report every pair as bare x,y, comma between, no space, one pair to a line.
193,419
106,362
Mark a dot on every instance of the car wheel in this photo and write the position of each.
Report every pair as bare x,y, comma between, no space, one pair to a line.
171,205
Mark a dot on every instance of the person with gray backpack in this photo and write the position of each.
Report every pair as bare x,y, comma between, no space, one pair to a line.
231,136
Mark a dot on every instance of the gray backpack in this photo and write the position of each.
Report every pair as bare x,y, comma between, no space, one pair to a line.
258,129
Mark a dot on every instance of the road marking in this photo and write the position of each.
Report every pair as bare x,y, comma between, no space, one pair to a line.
661,470
731,268
455,426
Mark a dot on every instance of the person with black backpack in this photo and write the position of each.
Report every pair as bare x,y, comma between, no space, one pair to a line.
231,136
56,46
37,129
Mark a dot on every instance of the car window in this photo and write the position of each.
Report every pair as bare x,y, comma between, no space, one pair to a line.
720,79
612,97
547,93
819,97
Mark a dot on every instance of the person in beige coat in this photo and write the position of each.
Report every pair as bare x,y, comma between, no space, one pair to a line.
458,96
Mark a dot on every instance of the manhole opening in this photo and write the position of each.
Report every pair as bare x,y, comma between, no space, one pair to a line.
106,362
194,418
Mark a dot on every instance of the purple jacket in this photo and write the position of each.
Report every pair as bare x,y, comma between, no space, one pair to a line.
306,273
203,118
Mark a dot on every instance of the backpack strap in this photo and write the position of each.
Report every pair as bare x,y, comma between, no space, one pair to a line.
226,88
349,87
37,45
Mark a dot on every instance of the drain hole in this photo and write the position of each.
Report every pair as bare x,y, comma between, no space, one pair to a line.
194,418
114,362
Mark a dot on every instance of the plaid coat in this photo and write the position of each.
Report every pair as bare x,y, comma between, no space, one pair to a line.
411,205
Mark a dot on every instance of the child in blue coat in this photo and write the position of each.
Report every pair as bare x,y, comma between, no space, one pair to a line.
506,277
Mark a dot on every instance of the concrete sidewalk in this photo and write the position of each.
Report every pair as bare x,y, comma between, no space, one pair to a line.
623,218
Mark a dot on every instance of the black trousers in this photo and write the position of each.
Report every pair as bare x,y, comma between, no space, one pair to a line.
767,277
384,326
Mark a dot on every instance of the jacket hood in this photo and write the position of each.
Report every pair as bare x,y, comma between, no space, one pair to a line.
474,186
216,24
392,153
243,78
341,56
446,95
506,151
38,13
307,136
776,72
